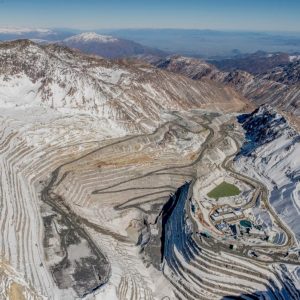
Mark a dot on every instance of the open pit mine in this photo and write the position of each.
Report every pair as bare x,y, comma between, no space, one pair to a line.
123,181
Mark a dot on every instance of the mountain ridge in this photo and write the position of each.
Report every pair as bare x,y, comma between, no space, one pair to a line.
133,94
279,88
256,63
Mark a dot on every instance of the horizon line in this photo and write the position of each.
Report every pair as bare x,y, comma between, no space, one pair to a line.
148,28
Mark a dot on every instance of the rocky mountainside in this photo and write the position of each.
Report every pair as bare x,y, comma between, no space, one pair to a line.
190,67
271,154
256,63
280,87
287,74
108,46
127,95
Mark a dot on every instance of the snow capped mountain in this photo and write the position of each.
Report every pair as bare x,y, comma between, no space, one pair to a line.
90,37
108,46
88,42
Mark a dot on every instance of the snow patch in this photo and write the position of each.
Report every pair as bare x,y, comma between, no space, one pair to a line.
91,37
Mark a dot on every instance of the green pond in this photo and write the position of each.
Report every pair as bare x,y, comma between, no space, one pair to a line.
224,189
246,223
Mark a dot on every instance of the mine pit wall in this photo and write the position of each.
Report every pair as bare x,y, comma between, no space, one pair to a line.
176,231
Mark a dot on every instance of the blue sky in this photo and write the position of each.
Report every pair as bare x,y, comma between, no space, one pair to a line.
270,15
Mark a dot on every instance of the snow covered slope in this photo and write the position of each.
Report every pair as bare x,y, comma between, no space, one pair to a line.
130,96
271,154
90,36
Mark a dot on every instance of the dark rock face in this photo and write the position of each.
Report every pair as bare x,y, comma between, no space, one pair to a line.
261,126
73,261
288,74
175,230
73,258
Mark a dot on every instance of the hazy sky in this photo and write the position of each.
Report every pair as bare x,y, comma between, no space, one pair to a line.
274,15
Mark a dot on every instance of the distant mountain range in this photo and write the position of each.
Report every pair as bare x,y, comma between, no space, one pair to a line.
211,43
34,33
279,87
88,42
256,63
208,44
261,77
